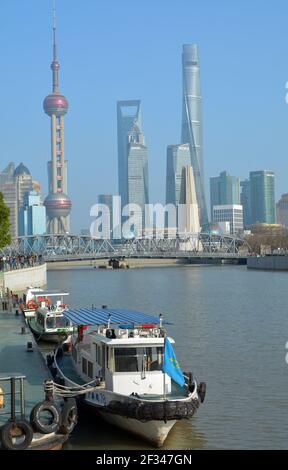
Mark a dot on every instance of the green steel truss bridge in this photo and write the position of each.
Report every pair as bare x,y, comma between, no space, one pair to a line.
75,247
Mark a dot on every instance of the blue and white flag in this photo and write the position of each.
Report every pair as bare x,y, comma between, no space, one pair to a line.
170,365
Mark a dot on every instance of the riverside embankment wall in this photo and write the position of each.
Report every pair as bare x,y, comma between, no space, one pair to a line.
272,263
19,279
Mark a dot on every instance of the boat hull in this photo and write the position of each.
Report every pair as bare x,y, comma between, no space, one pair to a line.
50,337
154,432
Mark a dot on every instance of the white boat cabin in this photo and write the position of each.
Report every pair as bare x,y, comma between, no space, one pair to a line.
126,358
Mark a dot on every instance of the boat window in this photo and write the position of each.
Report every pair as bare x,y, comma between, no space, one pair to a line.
127,359
110,359
153,358
84,365
90,369
50,322
61,322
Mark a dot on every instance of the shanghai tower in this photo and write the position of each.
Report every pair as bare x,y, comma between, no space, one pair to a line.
192,122
58,204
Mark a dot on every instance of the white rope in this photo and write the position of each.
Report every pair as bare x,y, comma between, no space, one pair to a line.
69,392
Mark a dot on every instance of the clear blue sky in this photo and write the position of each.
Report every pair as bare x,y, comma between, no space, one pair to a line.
112,49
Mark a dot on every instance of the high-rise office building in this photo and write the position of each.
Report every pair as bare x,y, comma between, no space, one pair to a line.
14,186
178,156
246,202
262,197
282,211
128,115
229,213
224,190
32,215
137,166
107,218
58,204
192,122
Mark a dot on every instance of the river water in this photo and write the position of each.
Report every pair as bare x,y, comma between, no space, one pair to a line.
230,326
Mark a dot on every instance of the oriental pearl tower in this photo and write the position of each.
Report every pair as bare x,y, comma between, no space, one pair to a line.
58,204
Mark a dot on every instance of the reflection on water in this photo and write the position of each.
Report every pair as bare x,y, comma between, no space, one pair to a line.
230,328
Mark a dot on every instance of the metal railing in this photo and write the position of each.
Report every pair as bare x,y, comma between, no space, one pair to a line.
13,380
74,247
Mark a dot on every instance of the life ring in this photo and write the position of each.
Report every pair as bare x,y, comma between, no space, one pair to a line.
41,425
32,305
44,299
147,325
69,416
12,434
1,398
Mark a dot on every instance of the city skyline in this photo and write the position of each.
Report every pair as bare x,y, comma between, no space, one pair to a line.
101,153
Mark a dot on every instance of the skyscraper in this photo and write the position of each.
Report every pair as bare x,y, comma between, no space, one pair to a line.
224,189
192,122
128,114
32,215
58,204
132,157
137,166
178,156
107,228
14,184
246,202
262,197
282,211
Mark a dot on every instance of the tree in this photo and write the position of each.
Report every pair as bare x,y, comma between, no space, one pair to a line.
5,237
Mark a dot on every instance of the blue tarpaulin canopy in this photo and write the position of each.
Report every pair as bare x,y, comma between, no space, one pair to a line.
100,316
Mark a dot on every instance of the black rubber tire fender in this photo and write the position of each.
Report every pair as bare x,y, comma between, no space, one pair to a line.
6,435
202,391
69,416
38,424
49,360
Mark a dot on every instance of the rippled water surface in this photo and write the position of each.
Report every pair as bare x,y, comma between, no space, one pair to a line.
230,326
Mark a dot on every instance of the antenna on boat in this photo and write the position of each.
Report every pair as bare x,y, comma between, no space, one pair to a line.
160,320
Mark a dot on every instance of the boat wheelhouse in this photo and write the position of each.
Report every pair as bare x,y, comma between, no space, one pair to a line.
49,323
31,303
117,356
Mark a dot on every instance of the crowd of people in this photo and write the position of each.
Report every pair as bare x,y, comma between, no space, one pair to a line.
8,263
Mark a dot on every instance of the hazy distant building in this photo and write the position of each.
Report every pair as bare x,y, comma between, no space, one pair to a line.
128,114
137,166
262,197
107,200
178,156
224,190
192,122
282,211
32,215
229,213
24,182
245,201
14,186
6,175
